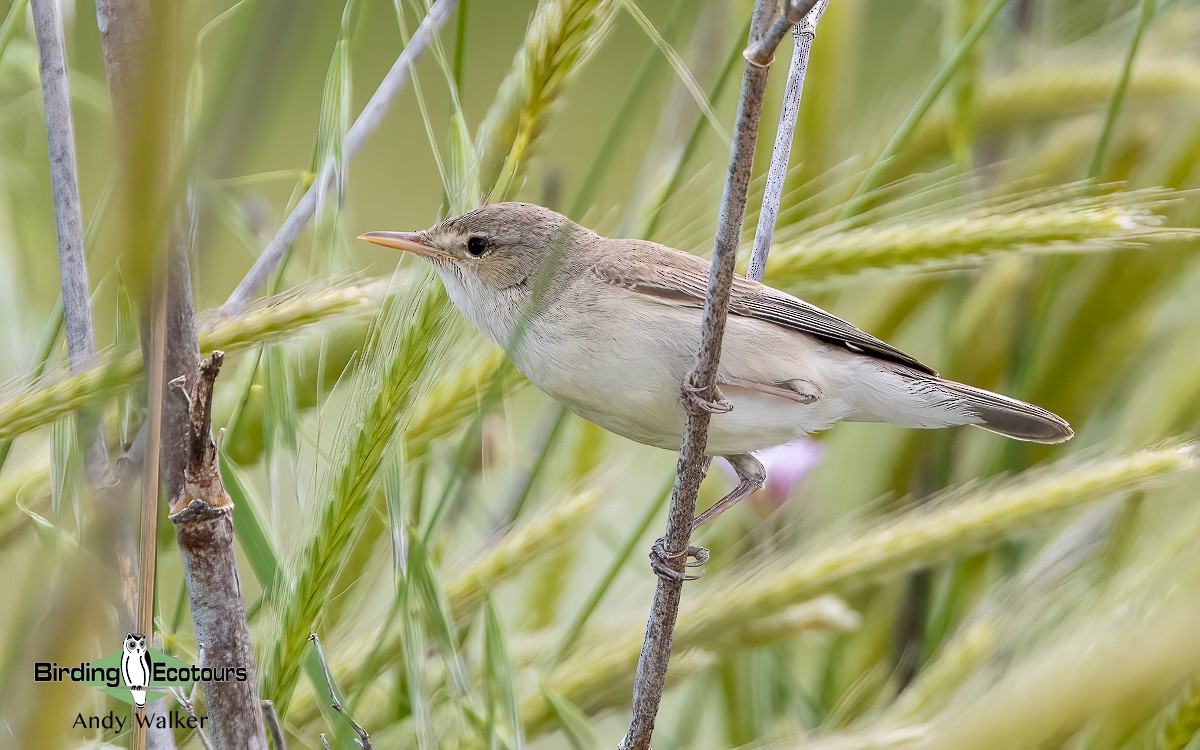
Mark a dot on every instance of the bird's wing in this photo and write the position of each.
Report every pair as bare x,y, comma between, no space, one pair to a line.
676,278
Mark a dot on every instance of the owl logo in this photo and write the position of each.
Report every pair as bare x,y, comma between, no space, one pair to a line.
135,667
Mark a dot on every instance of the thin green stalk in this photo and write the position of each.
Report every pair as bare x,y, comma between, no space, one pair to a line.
571,633
874,176
639,86
468,450
964,83
675,179
1118,97
545,443
460,40
12,22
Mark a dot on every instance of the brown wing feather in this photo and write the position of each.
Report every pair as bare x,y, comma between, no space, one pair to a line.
676,278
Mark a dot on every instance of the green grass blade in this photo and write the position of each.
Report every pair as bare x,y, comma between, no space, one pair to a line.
858,201
1118,97
251,534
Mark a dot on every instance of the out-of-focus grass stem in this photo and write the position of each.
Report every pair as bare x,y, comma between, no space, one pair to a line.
543,448
639,86
676,177
571,633
874,176
12,22
1118,98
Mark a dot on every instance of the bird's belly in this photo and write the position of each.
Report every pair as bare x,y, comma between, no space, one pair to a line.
608,384
633,390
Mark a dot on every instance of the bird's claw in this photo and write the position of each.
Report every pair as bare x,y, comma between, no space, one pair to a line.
695,399
693,556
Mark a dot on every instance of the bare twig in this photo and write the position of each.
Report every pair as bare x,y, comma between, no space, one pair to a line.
656,649
805,32
68,217
157,727
366,124
363,738
272,718
761,53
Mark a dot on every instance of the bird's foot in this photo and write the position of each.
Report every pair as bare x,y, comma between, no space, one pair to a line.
703,399
693,557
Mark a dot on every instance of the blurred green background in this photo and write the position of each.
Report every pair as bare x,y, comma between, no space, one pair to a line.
472,557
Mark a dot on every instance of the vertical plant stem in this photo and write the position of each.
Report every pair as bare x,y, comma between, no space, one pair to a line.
202,510
148,555
543,446
1118,97
460,41
875,175
68,218
364,126
656,649
804,33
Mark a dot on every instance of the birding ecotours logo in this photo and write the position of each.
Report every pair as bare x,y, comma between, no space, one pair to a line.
136,673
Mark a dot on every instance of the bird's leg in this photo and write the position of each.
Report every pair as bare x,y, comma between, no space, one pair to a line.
698,398
693,556
751,477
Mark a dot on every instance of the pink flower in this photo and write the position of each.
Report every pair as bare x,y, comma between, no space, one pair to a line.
786,465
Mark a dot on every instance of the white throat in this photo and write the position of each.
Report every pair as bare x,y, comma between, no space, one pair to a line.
496,314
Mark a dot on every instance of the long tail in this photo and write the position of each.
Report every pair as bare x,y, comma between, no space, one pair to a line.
1003,415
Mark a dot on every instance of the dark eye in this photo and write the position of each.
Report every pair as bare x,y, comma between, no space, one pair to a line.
477,245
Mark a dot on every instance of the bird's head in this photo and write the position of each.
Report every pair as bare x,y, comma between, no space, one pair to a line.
500,262
502,246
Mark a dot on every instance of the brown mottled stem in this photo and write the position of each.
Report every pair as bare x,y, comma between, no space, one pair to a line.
656,649
202,513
